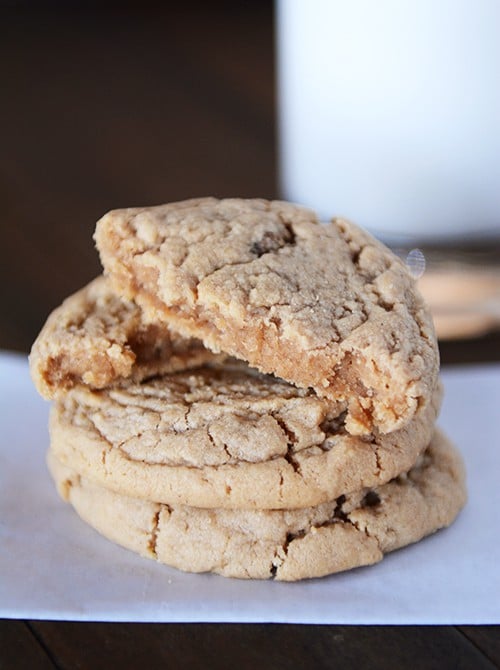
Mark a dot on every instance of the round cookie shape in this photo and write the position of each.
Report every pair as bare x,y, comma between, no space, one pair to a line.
96,338
321,306
354,530
226,436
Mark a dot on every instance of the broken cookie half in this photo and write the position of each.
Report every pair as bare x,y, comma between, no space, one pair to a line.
321,306
96,338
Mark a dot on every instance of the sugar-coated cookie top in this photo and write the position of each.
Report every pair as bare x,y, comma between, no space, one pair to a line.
322,306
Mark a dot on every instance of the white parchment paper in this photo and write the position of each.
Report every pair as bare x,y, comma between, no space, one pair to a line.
53,566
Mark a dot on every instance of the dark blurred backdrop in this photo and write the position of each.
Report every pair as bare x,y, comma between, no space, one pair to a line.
109,105
116,104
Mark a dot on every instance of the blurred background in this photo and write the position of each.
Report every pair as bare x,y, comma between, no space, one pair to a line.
109,104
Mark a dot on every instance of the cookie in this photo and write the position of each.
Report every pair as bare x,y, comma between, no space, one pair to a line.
96,338
321,306
352,531
226,436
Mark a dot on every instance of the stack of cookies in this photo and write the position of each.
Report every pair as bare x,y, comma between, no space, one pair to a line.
249,392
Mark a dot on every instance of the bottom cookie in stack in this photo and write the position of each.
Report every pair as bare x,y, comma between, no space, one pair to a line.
354,530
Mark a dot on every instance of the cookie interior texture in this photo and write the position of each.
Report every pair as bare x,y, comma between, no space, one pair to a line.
353,530
227,436
322,306
96,338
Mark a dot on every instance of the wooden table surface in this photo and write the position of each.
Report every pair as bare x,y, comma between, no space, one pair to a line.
104,108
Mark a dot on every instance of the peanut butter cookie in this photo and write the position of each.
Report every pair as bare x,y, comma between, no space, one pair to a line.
321,306
96,338
227,436
354,530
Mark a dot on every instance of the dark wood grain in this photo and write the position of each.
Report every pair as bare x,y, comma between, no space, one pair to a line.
109,105
486,638
108,108
20,650
182,646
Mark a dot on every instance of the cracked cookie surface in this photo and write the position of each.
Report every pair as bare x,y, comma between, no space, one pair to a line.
354,530
322,306
95,337
227,436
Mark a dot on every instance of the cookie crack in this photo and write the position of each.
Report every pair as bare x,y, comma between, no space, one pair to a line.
229,456
380,301
334,426
269,242
378,461
339,516
365,531
272,242
291,443
100,433
371,499
153,535
187,412
289,458
355,251
290,435
338,512
281,552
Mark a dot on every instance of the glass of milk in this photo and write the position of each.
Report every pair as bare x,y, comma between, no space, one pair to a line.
389,114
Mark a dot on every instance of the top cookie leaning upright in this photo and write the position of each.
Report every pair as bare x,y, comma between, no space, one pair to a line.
322,306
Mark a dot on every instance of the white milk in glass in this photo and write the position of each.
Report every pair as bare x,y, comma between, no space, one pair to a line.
390,113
